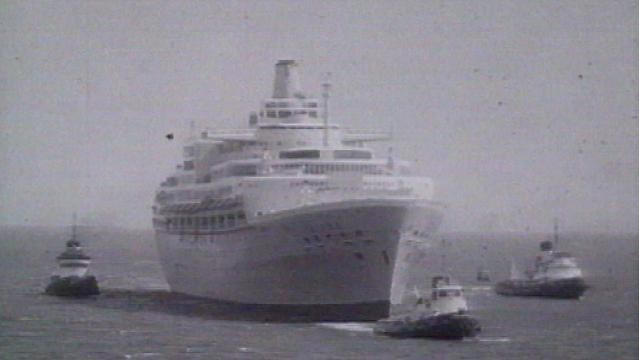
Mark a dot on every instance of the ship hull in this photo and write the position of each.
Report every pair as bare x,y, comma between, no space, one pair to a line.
334,259
572,288
73,286
444,326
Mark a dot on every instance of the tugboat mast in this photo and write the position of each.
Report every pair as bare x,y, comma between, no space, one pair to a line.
73,228
443,270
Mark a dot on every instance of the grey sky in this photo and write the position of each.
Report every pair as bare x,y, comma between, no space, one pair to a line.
520,111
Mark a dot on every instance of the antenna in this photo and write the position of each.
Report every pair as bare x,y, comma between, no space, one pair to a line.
556,231
73,230
326,88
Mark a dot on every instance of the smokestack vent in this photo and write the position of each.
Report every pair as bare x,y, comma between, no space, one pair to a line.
287,83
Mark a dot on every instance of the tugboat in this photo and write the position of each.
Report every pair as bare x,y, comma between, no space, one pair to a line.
556,275
71,279
443,316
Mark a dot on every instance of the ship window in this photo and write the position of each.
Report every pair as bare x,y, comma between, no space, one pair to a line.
457,293
352,154
443,293
284,113
231,220
271,114
244,170
204,222
282,104
241,216
212,222
300,112
188,165
189,222
270,105
312,114
311,104
300,154
221,222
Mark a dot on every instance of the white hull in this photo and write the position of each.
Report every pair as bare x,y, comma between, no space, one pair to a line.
329,254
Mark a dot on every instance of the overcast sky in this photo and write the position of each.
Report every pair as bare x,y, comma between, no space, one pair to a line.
520,111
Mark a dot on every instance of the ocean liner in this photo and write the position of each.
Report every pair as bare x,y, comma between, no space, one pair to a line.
292,211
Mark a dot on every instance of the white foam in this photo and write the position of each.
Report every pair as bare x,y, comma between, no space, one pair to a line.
495,339
351,326
141,355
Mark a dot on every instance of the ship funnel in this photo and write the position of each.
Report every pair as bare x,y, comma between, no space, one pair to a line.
287,82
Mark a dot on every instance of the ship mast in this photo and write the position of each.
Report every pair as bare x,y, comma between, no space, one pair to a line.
556,231
326,88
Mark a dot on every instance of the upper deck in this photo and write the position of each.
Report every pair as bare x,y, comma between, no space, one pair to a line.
289,139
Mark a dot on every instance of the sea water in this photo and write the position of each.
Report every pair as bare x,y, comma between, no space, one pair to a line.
137,318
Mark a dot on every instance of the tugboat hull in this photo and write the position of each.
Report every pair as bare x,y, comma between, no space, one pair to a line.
561,289
447,327
73,286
